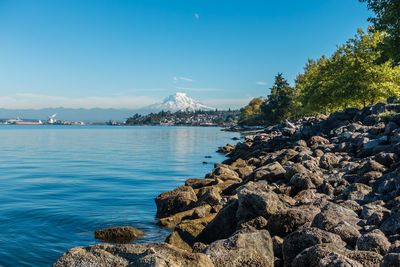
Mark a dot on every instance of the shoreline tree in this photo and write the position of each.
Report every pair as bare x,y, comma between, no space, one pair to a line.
387,20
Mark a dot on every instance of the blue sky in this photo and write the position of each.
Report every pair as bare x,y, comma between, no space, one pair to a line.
127,54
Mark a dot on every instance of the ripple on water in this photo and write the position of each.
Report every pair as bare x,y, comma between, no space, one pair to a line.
59,184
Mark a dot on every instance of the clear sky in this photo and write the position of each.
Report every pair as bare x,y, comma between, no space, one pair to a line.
127,54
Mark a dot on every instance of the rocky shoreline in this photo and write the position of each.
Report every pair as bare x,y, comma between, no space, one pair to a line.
320,191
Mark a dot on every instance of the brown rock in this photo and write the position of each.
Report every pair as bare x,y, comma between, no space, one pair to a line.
171,221
198,183
174,201
121,234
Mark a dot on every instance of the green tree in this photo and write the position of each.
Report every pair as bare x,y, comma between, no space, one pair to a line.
279,104
350,77
251,114
387,19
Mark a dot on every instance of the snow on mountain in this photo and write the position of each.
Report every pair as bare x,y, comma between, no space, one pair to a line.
178,101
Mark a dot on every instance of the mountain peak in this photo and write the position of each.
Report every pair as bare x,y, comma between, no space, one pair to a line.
179,101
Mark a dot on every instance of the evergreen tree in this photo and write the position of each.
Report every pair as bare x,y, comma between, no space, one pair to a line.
278,105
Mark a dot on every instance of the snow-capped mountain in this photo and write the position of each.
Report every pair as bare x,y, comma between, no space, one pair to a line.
178,101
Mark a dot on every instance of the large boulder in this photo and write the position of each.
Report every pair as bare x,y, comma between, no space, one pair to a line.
391,260
195,213
356,191
339,220
222,226
329,161
190,229
121,234
373,242
332,214
271,172
174,201
257,199
156,254
317,141
244,248
312,256
306,237
286,221
225,173
337,260
391,226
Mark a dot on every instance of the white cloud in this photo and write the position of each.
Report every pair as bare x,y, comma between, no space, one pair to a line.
261,83
196,15
186,79
198,89
36,101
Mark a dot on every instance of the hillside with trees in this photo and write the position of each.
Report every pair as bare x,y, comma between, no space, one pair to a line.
187,118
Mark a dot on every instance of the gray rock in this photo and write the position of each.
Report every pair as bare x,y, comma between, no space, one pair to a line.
304,238
347,232
286,221
386,158
372,165
211,196
258,223
294,169
277,243
336,260
224,173
256,199
318,140
374,214
222,226
156,254
366,258
391,226
373,242
329,161
391,260
253,248
356,191
271,172
332,214
312,255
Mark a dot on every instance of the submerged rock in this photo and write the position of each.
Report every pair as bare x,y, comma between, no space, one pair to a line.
121,234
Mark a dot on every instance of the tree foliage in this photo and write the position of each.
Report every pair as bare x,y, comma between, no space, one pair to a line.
251,114
350,77
387,19
279,105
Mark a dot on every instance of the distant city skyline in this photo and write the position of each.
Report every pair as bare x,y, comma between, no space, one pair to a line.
130,54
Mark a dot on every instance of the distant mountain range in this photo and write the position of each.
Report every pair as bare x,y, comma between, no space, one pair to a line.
178,101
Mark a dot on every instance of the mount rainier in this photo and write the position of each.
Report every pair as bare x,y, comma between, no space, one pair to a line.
176,102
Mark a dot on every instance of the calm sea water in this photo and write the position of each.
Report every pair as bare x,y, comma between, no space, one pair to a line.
58,184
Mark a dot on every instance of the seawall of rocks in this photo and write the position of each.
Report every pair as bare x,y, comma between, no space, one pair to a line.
320,191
